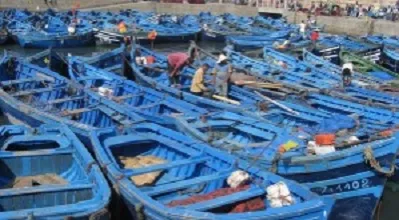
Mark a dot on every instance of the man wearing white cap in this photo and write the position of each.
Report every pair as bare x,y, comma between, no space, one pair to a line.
221,75
347,70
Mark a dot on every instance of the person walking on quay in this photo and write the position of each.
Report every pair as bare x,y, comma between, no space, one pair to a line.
302,29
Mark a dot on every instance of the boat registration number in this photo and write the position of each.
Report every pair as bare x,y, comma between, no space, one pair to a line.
343,187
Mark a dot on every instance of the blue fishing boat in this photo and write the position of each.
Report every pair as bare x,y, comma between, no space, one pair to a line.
110,61
218,33
366,50
3,37
50,59
320,74
56,34
250,42
47,173
184,178
3,30
324,69
239,100
386,41
390,59
367,67
32,95
348,174
144,101
310,112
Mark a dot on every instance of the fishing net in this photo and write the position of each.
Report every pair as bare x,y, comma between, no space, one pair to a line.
142,161
37,180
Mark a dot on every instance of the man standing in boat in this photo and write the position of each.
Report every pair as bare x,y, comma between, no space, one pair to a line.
314,37
302,29
221,75
176,62
197,84
347,71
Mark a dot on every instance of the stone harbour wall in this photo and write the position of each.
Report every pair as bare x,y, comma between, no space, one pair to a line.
349,25
338,25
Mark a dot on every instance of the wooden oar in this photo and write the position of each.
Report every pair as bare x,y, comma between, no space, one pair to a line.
264,86
222,98
244,82
277,103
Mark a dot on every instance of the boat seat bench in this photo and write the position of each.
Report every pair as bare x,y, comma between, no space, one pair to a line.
153,191
111,68
166,166
84,78
122,119
58,101
76,111
35,91
149,105
20,81
121,98
44,189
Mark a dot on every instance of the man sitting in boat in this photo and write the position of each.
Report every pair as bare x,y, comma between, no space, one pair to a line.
197,84
347,70
221,75
72,29
122,27
176,62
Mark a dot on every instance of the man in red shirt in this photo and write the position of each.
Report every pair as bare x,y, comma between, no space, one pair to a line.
314,37
176,62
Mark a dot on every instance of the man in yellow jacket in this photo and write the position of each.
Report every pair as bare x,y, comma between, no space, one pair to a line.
197,84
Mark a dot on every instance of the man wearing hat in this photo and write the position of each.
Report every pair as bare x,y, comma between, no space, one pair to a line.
221,75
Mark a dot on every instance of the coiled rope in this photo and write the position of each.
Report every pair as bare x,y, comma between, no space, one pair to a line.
369,158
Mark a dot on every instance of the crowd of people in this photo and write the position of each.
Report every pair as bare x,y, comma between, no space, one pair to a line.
329,8
390,12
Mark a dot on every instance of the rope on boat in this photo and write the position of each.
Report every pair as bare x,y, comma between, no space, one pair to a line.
100,214
139,211
275,161
277,104
369,158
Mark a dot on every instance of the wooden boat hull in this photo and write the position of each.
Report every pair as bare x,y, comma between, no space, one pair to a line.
212,36
390,60
69,184
343,174
24,40
368,67
147,201
50,59
107,37
3,38
146,102
21,115
25,99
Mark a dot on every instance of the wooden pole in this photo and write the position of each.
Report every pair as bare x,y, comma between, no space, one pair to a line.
277,104
222,98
